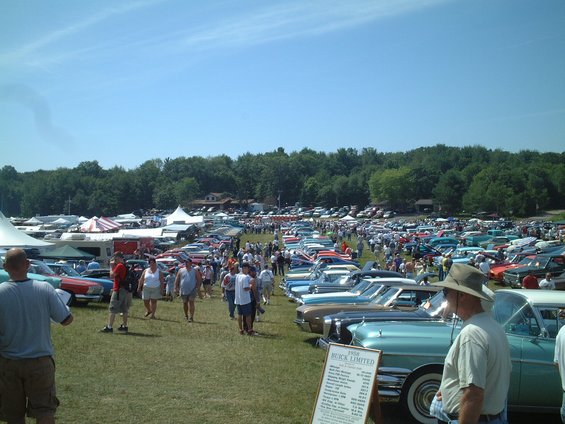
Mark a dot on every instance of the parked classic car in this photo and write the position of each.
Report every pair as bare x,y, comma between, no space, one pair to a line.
516,261
373,287
328,277
353,278
65,270
336,325
356,290
82,291
54,281
540,265
315,277
310,318
315,272
414,353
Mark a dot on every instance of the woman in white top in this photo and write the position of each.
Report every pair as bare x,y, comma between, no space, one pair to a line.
150,283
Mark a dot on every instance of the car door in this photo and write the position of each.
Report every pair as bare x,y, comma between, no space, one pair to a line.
535,380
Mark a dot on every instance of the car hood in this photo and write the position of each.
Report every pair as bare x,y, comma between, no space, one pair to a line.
523,270
363,312
402,337
333,308
337,299
54,281
311,297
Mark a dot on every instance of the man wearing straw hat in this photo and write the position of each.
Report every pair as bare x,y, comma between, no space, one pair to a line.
476,373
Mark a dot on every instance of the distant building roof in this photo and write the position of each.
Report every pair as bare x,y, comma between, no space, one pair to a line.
424,202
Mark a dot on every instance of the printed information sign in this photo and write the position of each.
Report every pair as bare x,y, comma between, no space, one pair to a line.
346,387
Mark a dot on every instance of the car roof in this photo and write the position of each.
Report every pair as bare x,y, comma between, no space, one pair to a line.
536,296
336,271
389,280
431,288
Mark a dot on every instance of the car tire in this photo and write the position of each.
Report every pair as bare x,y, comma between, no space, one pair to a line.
418,392
73,301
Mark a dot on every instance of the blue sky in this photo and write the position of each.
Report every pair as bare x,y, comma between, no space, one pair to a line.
124,82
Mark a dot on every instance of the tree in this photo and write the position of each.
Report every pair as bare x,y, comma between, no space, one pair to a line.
447,192
393,186
186,190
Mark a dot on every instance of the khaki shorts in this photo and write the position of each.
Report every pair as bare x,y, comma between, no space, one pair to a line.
153,293
268,287
30,381
120,301
191,296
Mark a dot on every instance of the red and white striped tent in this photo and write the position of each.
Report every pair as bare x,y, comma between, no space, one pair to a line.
99,225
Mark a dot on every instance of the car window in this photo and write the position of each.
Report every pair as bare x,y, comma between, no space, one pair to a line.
360,287
556,262
516,316
553,319
385,297
372,290
435,305
39,267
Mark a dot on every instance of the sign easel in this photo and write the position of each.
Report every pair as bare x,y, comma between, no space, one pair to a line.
346,388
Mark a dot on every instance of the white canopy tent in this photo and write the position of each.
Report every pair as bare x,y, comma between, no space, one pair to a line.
179,216
33,221
10,236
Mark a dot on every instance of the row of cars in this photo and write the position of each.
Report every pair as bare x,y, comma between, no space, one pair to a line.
510,269
407,322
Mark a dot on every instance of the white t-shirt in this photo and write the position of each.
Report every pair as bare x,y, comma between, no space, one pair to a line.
546,284
266,276
480,349
560,355
242,296
152,279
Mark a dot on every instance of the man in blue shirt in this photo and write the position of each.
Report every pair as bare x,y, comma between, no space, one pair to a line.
27,381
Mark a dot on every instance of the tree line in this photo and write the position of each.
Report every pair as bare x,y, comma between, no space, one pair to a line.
469,179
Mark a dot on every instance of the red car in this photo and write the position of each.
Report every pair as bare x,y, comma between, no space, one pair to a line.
517,261
81,291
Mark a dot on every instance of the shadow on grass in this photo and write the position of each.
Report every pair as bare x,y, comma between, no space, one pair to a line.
313,341
134,334
263,335
156,319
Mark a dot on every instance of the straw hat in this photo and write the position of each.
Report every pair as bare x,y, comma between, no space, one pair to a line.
466,279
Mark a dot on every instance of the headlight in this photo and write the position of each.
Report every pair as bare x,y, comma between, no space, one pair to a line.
299,315
327,326
338,327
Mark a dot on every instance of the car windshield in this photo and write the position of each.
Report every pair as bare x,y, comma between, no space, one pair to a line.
360,287
386,296
315,275
435,305
516,315
374,289
65,270
527,261
41,268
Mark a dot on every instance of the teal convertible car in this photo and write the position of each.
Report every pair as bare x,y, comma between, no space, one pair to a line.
414,352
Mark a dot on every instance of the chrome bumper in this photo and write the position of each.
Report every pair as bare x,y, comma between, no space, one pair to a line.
304,325
88,297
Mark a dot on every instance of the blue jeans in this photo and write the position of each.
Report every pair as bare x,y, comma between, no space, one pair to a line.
230,296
